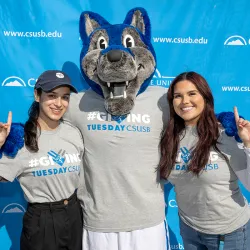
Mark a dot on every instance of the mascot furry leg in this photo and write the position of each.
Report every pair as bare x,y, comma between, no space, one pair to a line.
121,118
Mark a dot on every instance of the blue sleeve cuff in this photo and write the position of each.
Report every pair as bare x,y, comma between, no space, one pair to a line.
227,121
14,141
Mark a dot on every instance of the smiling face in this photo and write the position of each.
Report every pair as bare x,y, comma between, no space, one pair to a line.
52,106
188,103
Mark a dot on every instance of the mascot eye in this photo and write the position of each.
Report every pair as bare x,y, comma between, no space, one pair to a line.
128,41
102,43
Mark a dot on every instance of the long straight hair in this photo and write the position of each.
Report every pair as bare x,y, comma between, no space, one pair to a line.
32,127
207,130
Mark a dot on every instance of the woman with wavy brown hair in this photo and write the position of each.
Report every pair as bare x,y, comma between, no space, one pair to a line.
204,165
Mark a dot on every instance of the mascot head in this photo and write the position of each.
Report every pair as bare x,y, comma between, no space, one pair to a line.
117,61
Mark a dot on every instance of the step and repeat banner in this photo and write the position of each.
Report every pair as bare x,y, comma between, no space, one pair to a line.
211,37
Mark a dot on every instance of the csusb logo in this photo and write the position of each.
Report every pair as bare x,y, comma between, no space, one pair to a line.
236,41
102,117
13,208
160,80
14,81
185,155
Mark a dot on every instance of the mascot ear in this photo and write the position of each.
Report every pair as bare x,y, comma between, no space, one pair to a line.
138,17
89,21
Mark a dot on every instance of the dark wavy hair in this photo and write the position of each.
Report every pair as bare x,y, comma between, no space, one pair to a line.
32,127
207,130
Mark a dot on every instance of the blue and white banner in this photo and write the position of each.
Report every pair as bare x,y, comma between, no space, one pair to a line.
210,37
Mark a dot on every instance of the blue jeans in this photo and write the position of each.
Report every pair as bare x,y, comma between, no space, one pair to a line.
194,240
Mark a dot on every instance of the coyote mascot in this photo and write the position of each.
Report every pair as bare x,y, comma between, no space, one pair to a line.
121,118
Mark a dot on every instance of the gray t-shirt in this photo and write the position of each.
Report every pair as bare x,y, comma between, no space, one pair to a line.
212,203
51,174
120,189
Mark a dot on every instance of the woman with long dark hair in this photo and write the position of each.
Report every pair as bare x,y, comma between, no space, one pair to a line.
48,168
204,165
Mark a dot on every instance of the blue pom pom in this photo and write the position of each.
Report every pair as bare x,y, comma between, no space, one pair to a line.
227,120
14,141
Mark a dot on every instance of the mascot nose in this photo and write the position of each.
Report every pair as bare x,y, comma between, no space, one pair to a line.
114,55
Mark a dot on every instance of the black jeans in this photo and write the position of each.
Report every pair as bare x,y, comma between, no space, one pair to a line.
53,226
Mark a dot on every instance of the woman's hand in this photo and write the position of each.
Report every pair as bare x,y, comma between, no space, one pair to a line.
243,127
5,129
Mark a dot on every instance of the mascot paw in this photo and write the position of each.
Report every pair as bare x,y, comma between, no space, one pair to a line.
14,141
227,121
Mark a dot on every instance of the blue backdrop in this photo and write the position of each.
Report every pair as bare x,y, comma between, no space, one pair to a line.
211,37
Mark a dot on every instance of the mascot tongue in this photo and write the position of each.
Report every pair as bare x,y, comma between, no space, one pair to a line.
117,89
